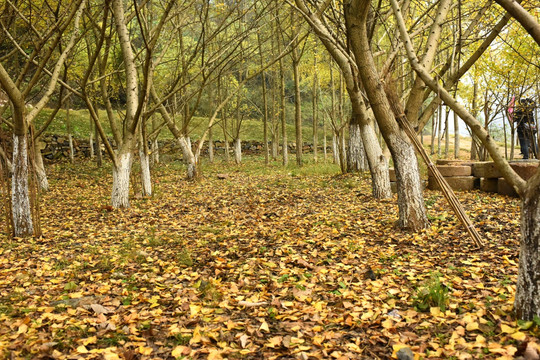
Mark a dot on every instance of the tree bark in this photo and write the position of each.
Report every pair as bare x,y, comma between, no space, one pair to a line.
412,212
297,106
20,200
121,173
238,150
356,153
40,167
527,302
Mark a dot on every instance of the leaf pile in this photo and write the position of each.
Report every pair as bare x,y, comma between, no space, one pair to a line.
258,267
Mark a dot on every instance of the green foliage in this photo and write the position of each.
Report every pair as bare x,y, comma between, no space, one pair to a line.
432,293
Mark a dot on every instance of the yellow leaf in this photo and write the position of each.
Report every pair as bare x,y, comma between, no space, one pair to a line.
274,341
435,311
214,355
519,336
90,340
110,356
180,351
195,309
196,336
507,329
472,326
144,350
264,327
82,349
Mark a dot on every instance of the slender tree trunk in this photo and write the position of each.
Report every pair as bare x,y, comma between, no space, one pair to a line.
144,158
91,139
474,148
20,199
189,158
265,107
297,109
121,174
315,104
447,133
238,150
210,145
70,136
433,132
99,155
146,179
335,151
456,136
41,174
325,152
285,148
439,136
342,151
155,143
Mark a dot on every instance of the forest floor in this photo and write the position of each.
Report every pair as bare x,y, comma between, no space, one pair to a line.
260,265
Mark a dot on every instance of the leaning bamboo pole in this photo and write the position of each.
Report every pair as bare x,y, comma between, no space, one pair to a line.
447,191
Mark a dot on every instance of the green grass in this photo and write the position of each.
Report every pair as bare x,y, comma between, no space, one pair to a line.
252,129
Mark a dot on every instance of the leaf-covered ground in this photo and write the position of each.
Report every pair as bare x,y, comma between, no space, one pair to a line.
257,266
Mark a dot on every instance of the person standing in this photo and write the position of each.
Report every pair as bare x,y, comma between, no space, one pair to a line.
526,129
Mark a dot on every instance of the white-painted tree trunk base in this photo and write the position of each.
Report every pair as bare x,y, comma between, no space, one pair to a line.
412,211
356,156
211,151
527,302
189,158
91,141
146,179
155,152
285,153
41,174
71,149
377,162
335,151
238,151
120,189
20,199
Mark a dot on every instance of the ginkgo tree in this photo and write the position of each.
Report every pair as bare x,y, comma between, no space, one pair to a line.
527,300
36,67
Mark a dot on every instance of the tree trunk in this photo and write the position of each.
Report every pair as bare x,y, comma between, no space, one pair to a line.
447,133
315,104
527,302
210,146
285,148
342,151
70,136
456,136
91,139
356,154
297,111
40,167
335,151
99,155
146,179
238,150
155,151
121,173
189,158
433,131
412,212
325,152
20,199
